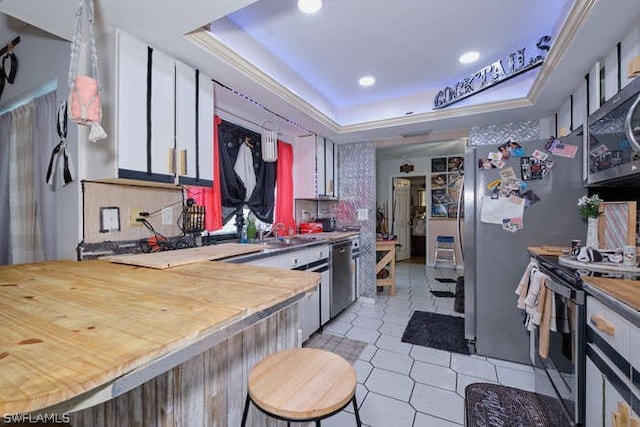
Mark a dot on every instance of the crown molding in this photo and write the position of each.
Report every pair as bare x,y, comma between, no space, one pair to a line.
575,19
203,38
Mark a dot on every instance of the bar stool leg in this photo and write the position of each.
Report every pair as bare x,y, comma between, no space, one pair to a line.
355,410
246,411
317,423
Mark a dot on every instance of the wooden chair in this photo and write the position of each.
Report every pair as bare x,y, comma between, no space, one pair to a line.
300,385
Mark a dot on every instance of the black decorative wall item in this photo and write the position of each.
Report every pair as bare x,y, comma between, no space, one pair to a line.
8,64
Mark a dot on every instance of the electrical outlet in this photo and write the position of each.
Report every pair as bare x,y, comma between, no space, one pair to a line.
167,216
134,214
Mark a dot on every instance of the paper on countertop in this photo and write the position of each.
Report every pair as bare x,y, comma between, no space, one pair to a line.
493,211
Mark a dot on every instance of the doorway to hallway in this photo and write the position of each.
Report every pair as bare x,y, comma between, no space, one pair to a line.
409,218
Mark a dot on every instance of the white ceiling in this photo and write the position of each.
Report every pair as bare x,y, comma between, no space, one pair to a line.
411,49
304,67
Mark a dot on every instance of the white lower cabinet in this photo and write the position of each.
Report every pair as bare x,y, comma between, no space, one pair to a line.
309,313
314,308
325,297
594,396
609,389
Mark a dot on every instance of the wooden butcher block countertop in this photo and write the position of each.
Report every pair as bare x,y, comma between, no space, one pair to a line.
185,256
626,291
337,235
69,327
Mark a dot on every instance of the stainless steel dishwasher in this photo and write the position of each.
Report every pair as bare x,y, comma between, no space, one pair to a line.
341,277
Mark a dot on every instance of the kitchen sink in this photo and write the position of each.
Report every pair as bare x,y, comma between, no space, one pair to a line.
289,241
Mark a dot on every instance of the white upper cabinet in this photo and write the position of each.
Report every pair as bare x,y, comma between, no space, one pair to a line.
194,126
321,181
315,166
161,119
162,114
131,103
330,189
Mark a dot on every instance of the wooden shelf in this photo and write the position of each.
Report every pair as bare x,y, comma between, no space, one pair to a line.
388,260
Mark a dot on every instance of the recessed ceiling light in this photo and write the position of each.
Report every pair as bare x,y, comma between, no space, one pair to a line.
366,81
309,6
469,57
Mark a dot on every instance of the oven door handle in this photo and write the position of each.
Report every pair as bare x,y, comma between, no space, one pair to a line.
559,289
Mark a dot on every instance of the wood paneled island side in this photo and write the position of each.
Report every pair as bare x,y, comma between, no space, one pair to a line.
106,342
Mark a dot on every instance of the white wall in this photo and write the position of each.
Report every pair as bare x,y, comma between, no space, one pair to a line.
41,59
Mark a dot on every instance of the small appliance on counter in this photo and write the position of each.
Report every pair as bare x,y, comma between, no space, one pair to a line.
311,227
328,224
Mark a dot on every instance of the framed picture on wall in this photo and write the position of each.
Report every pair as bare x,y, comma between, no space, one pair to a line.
439,180
439,164
446,185
455,164
439,196
439,210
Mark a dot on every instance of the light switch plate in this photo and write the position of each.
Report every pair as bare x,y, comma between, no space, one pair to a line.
363,214
167,216
109,219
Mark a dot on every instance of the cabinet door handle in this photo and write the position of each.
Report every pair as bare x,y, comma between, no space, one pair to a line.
623,410
172,161
183,162
602,324
615,419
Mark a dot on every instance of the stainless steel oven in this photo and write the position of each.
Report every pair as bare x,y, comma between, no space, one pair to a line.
563,370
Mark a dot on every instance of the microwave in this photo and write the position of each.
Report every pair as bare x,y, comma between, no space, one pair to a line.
614,140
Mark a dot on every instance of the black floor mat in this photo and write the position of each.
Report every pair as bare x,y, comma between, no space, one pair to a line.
443,294
436,331
445,280
493,404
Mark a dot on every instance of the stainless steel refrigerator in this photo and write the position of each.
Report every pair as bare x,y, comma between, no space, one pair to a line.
495,259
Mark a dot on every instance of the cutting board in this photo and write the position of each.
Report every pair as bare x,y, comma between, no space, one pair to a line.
597,266
162,260
548,250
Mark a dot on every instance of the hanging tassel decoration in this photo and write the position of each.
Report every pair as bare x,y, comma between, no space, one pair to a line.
84,89
60,151
269,142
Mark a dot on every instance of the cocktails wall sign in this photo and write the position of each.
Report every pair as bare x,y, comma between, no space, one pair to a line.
501,70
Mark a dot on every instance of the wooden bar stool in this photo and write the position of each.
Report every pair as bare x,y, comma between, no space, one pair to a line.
304,384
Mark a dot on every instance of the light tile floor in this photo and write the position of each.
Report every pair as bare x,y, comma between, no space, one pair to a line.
401,384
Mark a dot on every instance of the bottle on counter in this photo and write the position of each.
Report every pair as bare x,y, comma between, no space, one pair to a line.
251,228
243,236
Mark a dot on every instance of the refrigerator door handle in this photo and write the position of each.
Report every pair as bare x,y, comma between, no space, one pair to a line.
459,221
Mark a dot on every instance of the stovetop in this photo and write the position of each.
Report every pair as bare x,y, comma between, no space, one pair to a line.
573,275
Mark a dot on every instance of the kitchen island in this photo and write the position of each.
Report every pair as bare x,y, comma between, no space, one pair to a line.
118,344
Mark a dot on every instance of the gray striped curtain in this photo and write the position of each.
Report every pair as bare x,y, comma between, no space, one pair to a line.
27,204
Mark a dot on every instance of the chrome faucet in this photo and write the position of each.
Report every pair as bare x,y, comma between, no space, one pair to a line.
275,227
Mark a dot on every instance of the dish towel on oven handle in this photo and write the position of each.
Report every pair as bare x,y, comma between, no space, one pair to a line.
60,150
544,330
523,285
538,302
